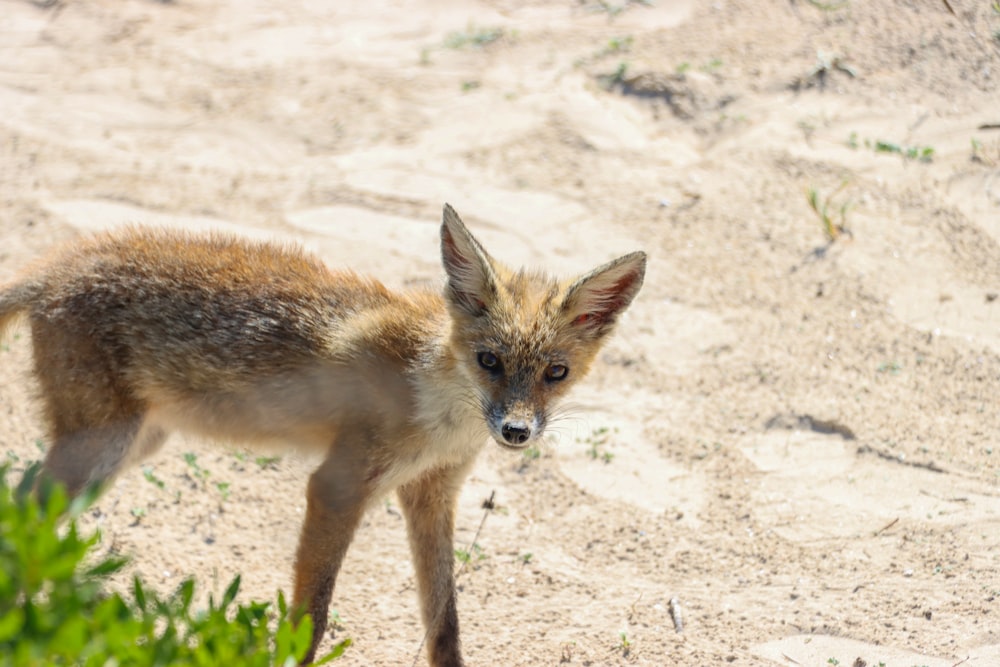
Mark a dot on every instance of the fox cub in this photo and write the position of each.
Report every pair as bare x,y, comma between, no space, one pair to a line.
136,333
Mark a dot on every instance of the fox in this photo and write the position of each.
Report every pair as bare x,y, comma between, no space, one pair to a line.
140,332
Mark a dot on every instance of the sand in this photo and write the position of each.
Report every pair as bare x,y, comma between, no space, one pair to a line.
793,438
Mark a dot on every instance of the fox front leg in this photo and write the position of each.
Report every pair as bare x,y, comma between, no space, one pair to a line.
429,506
335,504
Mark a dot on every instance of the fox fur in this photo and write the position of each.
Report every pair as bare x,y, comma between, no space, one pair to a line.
137,333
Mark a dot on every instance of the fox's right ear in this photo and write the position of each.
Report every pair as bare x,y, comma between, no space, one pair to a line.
471,279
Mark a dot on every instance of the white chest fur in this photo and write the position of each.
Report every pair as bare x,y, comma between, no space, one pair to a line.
450,431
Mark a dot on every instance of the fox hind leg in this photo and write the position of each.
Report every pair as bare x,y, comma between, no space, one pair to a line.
95,423
95,454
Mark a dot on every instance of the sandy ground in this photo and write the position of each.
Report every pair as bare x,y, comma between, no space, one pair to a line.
796,439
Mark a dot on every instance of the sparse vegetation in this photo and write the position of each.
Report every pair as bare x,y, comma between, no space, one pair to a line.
54,610
474,37
828,6
197,471
615,45
597,443
920,153
832,216
613,10
147,473
470,555
624,645
151,477
890,367
989,156
609,81
267,462
712,65
826,65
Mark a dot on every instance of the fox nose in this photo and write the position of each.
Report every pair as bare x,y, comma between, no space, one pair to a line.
515,433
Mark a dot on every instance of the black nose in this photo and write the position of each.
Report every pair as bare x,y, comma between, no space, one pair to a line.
515,434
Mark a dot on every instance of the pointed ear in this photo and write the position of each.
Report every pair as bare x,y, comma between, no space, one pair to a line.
593,302
471,279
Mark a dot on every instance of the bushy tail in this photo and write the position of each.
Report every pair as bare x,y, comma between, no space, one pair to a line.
15,298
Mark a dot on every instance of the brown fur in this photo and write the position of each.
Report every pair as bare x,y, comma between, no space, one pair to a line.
137,333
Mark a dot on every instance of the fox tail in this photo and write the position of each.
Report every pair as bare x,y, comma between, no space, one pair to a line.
15,298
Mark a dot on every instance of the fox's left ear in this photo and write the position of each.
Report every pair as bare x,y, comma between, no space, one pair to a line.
471,279
594,302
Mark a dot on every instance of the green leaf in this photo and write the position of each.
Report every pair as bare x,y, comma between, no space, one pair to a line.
282,605
27,483
184,594
337,651
231,592
139,593
11,624
107,567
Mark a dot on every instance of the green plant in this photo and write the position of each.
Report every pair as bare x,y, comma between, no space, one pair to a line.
623,643
200,473
617,44
922,153
919,153
55,611
267,461
828,6
475,552
826,64
613,11
597,443
712,65
891,367
147,472
981,155
616,78
613,46
475,37
832,229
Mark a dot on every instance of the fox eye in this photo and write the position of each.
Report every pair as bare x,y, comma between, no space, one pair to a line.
556,372
489,361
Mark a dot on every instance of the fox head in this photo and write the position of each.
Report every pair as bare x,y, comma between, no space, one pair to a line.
522,338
